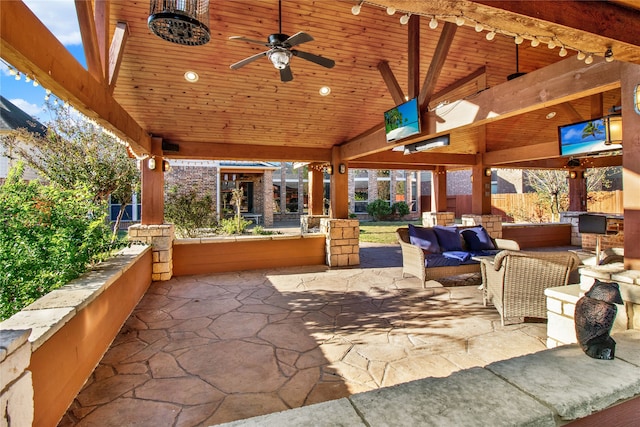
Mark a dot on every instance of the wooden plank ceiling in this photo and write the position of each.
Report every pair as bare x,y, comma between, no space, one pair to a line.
250,114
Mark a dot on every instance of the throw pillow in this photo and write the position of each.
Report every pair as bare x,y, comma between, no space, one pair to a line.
477,239
448,238
424,238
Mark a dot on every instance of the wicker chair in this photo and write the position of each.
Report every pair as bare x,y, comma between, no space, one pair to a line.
515,281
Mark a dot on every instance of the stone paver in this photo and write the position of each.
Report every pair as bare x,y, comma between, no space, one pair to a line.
208,349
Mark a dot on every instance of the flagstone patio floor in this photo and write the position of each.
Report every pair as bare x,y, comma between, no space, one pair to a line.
203,350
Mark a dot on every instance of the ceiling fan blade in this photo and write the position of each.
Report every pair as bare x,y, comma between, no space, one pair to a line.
320,60
247,60
297,38
286,75
244,39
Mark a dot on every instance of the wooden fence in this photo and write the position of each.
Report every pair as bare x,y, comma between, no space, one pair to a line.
512,204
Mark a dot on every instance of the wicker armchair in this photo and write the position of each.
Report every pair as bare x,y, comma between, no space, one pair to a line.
514,281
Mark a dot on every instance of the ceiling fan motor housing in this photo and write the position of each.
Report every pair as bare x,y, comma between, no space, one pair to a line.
277,39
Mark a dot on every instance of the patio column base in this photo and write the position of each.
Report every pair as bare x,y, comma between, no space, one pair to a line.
160,238
492,223
431,219
342,241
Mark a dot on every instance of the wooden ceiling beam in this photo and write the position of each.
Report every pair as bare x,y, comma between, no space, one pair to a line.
437,63
413,46
116,52
393,166
555,84
102,9
561,163
392,83
84,10
269,153
596,17
56,69
522,153
423,158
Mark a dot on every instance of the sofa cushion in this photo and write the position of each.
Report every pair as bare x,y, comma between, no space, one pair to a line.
439,260
461,256
424,238
477,239
448,238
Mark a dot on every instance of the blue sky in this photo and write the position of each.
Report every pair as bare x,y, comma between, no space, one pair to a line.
61,19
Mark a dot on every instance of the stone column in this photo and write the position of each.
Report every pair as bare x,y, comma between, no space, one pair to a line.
492,223
430,219
342,241
160,237
16,395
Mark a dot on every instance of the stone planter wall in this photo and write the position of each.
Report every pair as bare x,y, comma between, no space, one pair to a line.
492,223
160,238
49,349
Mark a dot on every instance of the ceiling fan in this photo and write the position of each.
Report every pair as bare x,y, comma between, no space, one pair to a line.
280,50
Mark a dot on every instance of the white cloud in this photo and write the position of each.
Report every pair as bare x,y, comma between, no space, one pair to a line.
31,109
60,17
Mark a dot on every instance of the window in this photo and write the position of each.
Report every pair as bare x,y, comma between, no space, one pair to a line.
361,193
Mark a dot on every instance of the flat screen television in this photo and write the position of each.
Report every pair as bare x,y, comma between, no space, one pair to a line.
589,136
402,121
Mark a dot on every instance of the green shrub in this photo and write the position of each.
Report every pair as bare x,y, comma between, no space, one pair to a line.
379,209
233,225
400,208
48,236
189,212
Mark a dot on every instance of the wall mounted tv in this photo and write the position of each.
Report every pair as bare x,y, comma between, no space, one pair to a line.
588,137
402,121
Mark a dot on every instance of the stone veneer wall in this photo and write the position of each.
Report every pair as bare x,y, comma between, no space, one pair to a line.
16,392
342,241
431,219
492,223
561,302
160,238
310,222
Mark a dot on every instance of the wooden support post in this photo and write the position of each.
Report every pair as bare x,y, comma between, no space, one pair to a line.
153,186
316,190
439,189
480,190
339,186
630,77
578,191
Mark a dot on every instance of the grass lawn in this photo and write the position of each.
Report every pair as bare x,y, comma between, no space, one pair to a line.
382,231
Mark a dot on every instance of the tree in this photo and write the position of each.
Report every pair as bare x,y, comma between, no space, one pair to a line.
552,187
75,150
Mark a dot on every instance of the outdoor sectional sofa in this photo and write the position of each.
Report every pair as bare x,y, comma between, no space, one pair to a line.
431,253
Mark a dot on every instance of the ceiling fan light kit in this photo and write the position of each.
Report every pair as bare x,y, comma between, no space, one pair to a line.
280,50
184,22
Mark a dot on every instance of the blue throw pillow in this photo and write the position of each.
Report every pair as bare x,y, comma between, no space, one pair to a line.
477,239
448,238
424,238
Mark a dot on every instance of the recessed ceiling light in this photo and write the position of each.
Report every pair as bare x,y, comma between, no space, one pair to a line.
191,76
551,115
325,90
